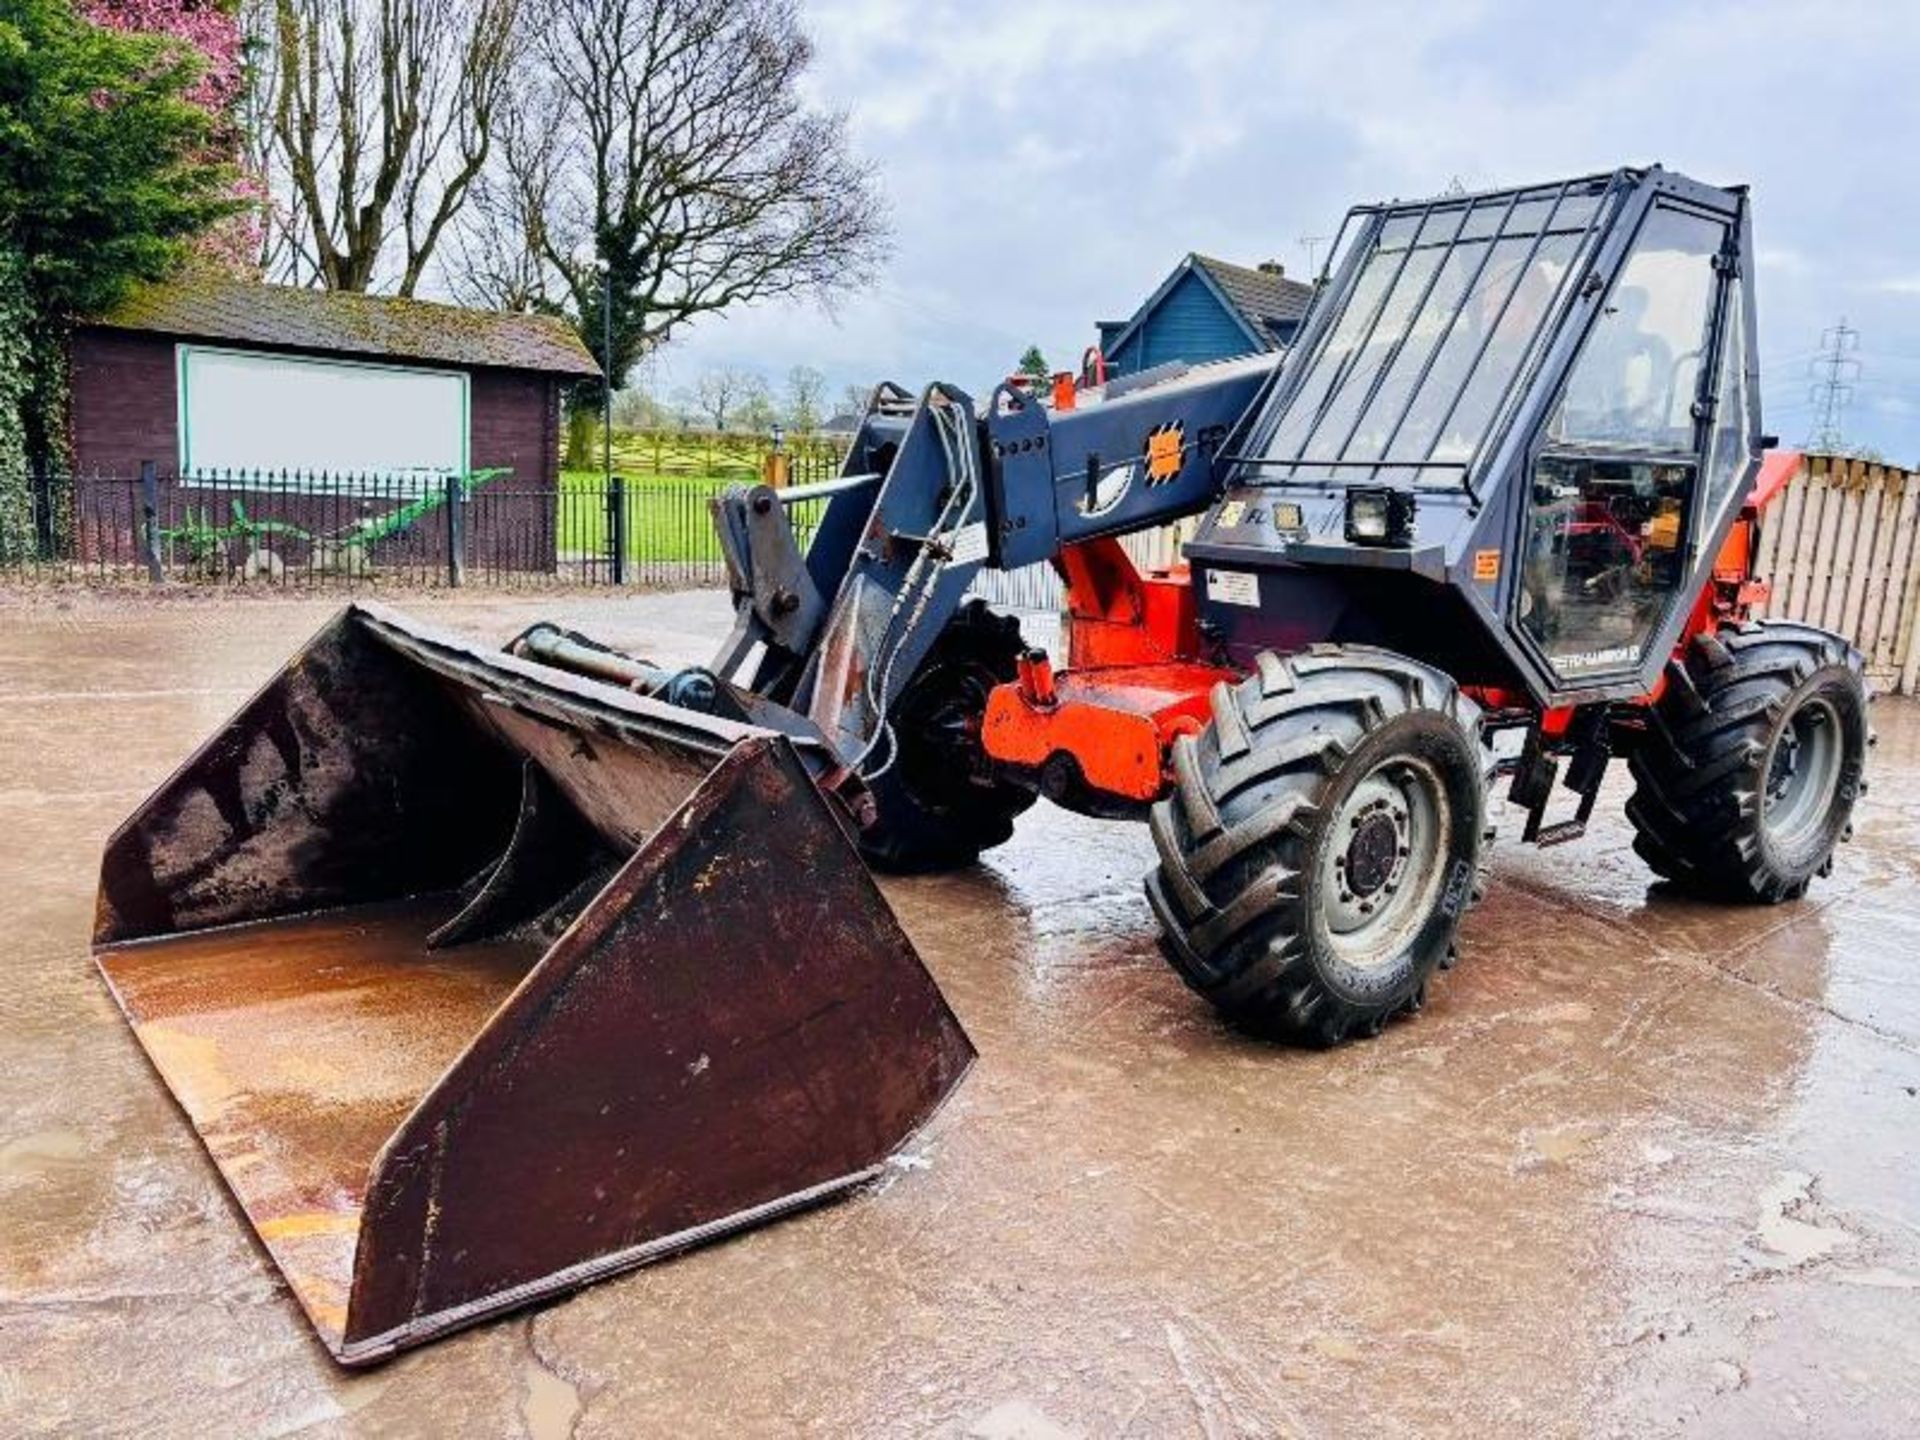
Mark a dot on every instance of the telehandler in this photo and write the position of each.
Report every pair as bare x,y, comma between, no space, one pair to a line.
484,974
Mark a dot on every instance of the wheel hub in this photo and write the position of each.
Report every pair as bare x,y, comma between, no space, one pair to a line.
1786,764
1803,775
1383,861
938,725
1374,852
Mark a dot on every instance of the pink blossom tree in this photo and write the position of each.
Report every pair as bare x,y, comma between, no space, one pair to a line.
212,29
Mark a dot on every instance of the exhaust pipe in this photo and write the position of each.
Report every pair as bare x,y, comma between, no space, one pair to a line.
483,979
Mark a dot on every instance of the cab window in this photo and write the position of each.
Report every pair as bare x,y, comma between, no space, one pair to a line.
1638,376
1611,501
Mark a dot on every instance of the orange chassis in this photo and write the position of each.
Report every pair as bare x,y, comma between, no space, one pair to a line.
1100,732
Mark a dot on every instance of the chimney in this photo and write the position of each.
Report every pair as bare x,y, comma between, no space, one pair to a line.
1273,268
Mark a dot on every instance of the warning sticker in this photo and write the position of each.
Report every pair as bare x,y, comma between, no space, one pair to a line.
969,544
1486,564
1234,587
1166,451
1233,513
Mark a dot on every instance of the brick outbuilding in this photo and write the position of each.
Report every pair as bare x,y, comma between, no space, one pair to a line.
319,414
209,374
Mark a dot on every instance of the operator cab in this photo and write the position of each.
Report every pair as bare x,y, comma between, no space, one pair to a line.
1527,413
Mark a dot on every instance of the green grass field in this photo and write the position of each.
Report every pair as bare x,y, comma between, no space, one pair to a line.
667,517
669,479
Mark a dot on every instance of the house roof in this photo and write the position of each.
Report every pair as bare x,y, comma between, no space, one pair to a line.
1261,296
217,307
1256,299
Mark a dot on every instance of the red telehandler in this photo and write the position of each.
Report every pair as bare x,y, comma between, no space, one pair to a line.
487,973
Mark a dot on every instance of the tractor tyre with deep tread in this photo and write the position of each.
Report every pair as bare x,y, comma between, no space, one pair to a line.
1747,772
1325,834
937,803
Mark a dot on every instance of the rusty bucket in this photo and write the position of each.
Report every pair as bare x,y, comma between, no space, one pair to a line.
481,980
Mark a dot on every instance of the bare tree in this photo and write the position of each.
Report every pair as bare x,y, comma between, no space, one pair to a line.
636,407
806,392
283,252
496,259
853,399
380,115
756,411
669,138
720,394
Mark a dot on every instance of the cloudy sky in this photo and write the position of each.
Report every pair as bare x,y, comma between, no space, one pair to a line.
1047,164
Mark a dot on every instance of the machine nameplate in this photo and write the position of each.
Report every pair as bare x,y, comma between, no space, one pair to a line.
1234,587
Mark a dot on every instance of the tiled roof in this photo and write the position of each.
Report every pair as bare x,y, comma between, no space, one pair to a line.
209,307
1261,296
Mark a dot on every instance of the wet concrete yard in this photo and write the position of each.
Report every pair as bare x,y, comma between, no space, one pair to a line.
1643,1166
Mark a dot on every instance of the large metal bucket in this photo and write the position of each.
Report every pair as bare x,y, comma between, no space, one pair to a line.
481,980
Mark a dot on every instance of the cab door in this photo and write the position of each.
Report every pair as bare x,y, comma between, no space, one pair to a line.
1640,454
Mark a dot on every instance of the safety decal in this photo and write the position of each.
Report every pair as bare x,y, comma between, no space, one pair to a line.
970,544
1166,451
1486,564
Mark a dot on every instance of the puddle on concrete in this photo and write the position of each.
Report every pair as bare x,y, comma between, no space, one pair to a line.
1557,1145
1785,1241
34,1155
550,1405
1018,1420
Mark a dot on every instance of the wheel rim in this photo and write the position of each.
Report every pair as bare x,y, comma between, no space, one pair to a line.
1382,867
1803,775
938,727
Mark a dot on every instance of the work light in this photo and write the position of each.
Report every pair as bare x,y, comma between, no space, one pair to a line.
1379,515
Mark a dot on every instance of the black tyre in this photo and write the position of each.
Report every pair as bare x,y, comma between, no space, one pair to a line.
1752,760
937,802
1325,834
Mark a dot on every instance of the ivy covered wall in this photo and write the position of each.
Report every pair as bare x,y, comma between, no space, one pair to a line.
16,318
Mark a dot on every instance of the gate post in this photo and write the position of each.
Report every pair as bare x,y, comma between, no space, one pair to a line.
456,531
617,526
150,522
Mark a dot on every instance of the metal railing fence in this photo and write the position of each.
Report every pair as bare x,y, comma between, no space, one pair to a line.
322,529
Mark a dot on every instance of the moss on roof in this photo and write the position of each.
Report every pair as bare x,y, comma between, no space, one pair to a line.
207,306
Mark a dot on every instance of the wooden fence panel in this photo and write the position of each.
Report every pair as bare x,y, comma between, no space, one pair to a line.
1884,498
1848,566
1897,604
1840,551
